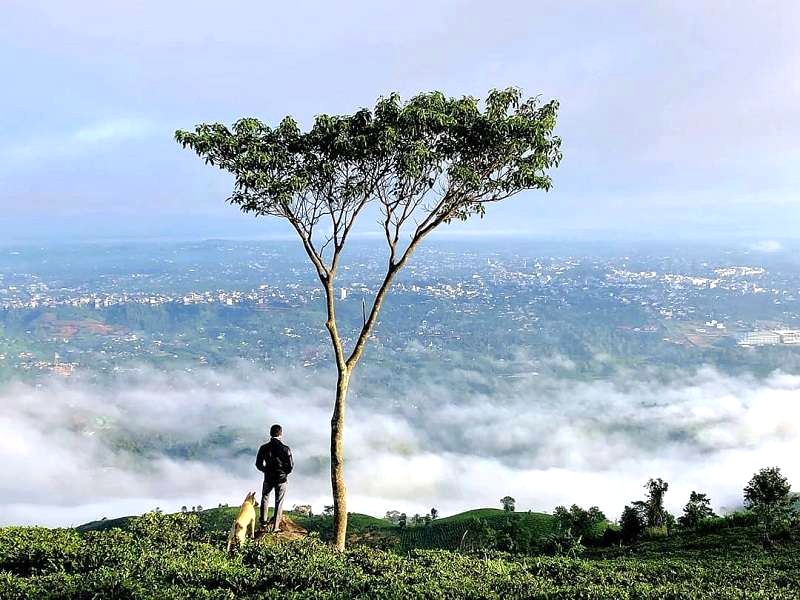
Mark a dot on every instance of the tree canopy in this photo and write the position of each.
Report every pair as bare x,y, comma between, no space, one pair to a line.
696,510
426,161
768,494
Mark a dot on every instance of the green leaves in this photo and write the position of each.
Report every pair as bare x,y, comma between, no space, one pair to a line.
395,153
768,494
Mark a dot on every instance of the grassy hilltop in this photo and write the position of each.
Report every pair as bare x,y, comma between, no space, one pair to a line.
448,533
183,556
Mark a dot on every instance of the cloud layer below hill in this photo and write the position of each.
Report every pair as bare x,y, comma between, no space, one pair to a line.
74,450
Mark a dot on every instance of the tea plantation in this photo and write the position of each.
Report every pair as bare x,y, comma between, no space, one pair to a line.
183,556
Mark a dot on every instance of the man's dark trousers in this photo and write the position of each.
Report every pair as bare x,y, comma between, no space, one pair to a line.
280,492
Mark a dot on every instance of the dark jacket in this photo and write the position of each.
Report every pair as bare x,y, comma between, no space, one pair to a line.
275,461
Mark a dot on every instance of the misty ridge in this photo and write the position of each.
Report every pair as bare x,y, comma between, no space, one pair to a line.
81,449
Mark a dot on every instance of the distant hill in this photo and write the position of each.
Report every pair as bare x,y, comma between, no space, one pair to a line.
459,531
477,513
447,533
734,535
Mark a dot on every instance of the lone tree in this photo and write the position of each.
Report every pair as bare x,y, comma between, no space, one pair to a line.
508,503
632,521
393,516
422,163
696,510
655,513
768,494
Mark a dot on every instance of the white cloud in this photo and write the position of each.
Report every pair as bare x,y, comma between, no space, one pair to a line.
80,141
118,129
70,448
768,246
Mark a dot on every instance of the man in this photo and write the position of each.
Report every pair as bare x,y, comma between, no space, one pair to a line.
275,461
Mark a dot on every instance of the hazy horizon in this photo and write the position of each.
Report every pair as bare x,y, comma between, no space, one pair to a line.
269,230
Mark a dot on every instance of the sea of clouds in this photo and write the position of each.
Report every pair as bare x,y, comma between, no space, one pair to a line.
77,450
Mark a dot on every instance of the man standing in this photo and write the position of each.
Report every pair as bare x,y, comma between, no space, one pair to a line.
275,461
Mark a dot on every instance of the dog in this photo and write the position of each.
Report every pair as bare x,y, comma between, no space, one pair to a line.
244,525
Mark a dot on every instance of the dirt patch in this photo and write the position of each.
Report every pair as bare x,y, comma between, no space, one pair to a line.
68,329
98,328
289,531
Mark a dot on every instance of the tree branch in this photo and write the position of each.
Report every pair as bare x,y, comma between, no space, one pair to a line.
316,260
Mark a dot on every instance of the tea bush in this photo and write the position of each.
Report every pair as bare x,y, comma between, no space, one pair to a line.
166,556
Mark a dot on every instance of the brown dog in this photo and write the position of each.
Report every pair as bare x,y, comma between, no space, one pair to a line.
245,522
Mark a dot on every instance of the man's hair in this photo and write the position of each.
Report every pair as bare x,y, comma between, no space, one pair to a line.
276,431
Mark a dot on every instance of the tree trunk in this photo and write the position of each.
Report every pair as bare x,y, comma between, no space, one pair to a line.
337,462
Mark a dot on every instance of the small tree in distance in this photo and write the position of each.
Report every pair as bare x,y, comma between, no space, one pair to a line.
656,515
508,503
632,521
580,522
768,494
392,516
302,509
696,510
423,163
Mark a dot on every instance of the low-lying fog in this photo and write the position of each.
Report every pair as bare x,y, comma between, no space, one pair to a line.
74,451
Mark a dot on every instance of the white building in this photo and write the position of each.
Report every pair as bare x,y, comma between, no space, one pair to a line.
770,338
759,338
789,336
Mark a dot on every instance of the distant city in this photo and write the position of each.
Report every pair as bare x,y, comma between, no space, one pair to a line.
103,308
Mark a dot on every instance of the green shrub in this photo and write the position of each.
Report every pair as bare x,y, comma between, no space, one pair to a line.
651,533
562,543
160,529
741,518
160,558
738,519
35,550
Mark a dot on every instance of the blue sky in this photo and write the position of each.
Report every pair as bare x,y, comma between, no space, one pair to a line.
679,119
